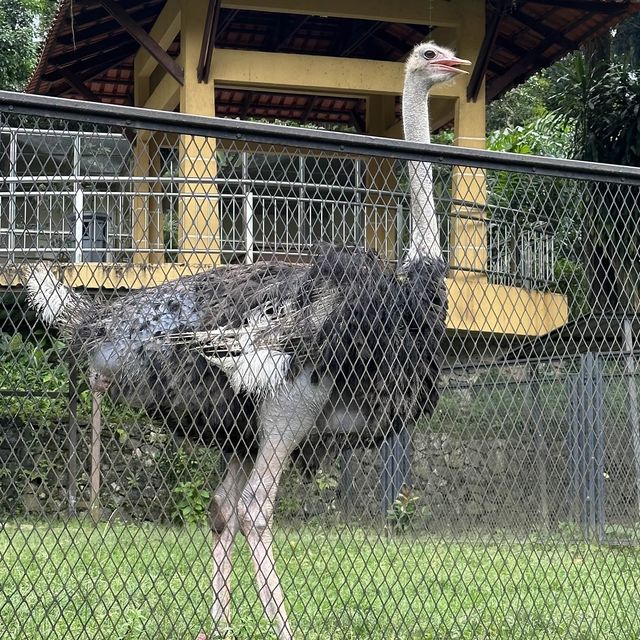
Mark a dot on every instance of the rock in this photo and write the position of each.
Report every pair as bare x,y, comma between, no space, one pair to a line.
132,443
32,503
474,508
149,492
474,459
149,450
497,461
455,459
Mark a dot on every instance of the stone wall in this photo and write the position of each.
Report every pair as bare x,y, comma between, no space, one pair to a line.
142,469
459,484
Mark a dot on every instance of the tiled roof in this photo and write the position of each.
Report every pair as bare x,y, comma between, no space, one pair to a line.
85,43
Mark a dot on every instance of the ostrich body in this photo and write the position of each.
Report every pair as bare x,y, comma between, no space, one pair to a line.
262,358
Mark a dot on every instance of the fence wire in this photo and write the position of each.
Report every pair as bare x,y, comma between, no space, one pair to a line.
188,306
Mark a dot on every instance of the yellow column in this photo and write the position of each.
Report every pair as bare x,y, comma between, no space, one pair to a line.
148,241
380,208
141,167
468,241
199,220
156,216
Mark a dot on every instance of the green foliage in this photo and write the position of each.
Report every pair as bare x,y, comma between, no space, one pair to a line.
22,23
600,101
191,501
404,509
325,482
572,281
545,135
522,105
33,369
599,98
195,473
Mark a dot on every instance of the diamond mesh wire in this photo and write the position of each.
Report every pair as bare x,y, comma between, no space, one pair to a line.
170,302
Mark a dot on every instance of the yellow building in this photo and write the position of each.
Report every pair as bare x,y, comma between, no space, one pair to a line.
332,63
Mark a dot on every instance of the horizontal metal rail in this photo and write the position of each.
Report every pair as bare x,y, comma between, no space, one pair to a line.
344,143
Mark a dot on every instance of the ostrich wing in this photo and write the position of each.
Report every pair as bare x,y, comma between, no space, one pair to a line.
248,320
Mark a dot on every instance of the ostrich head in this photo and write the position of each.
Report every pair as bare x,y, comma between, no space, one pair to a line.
434,64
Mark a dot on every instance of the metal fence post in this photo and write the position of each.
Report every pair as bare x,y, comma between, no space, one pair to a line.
249,238
573,446
396,466
632,390
78,200
588,445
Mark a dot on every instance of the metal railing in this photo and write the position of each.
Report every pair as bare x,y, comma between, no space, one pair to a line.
83,209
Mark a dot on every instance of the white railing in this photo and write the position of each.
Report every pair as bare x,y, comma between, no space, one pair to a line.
86,216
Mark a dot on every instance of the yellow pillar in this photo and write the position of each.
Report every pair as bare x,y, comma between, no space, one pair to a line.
147,234
468,241
156,216
380,208
141,169
198,236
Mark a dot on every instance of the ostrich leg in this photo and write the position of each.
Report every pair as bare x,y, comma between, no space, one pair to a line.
285,420
225,525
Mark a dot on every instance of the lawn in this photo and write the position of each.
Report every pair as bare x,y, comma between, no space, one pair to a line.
132,581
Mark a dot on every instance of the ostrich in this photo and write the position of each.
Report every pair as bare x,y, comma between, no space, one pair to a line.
260,359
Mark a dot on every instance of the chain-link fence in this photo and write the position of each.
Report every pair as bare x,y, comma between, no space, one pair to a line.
188,303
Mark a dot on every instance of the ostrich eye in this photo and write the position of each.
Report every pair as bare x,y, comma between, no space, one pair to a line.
429,54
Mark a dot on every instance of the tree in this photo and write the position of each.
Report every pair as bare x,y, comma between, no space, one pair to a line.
22,24
599,98
520,106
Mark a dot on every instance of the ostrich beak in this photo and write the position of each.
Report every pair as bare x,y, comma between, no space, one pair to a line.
452,64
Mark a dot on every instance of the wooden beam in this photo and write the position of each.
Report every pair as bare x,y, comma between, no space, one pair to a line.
359,123
607,8
445,36
165,96
441,112
437,12
363,35
284,42
315,74
97,64
76,83
88,52
164,32
144,40
311,102
143,15
523,65
226,23
246,104
488,44
208,40
535,24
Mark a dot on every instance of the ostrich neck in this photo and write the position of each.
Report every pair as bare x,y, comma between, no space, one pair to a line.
425,241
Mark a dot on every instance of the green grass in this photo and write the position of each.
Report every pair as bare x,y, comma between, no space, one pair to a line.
132,581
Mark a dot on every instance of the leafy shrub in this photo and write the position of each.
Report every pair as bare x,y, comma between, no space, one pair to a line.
31,374
404,509
191,502
196,472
